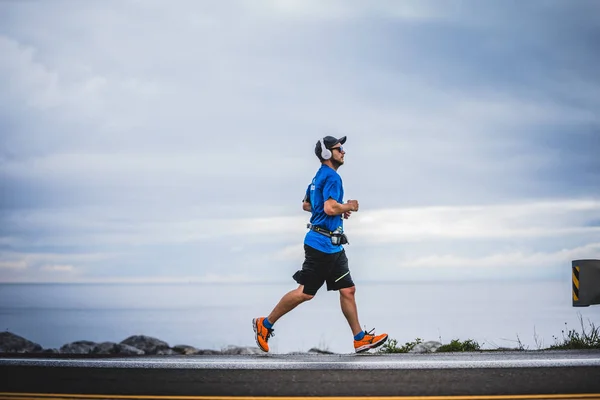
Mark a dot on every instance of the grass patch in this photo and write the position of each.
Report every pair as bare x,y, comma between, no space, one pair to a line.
391,346
587,338
457,345
573,340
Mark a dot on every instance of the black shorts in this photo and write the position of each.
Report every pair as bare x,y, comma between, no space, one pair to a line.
320,267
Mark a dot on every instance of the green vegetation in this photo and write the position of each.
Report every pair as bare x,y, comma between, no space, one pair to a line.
391,346
588,338
457,345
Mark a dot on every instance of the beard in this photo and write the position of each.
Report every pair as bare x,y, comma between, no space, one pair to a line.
337,163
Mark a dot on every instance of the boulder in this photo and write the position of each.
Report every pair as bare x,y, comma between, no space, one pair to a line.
166,352
148,344
209,352
185,349
235,350
78,347
127,349
11,343
116,348
315,350
426,347
50,351
105,348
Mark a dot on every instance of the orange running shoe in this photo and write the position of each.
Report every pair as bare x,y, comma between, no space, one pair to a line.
262,334
369,341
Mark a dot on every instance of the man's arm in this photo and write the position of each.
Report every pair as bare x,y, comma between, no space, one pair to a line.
306,206
306,200
332,207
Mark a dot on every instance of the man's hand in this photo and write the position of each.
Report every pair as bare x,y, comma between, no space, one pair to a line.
347,214
354,205
306,206
332,207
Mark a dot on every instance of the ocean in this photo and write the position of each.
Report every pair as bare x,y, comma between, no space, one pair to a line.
214,316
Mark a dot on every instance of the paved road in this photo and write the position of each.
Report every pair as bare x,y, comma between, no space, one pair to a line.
547,373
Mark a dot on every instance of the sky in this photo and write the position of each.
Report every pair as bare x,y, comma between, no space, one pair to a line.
154,141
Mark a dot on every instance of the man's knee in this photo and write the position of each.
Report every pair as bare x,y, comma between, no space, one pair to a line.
307,297
303,296
348,292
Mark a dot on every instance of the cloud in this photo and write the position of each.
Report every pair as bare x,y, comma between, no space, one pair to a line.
289,253
525,220
336,10
502,260
530,220
22,75
58,268
31,262
70,275
468,131
17,264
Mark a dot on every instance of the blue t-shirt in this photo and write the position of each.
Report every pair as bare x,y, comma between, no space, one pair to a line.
326,184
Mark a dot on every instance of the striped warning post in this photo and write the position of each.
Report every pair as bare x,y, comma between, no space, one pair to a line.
576,283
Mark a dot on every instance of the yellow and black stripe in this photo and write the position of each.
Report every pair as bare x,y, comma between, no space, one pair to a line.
575,283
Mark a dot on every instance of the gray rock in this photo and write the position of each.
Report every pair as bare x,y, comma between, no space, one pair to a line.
50,351
208,352
320,351
234,350
11,343
78,347
127,349
148,344
166,352
185,349
427,347
105,348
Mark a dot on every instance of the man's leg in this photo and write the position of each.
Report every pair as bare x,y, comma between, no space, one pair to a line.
263,327
348,303
342,281
309,278
288,302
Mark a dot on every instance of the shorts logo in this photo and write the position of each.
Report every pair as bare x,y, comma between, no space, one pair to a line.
342,276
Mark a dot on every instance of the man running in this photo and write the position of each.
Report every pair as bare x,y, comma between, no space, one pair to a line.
325,258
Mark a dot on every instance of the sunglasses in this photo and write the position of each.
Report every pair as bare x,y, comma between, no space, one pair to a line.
340,149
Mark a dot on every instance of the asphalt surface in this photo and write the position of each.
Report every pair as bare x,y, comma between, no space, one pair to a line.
483,373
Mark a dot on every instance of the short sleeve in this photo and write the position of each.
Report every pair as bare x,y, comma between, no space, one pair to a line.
332,188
